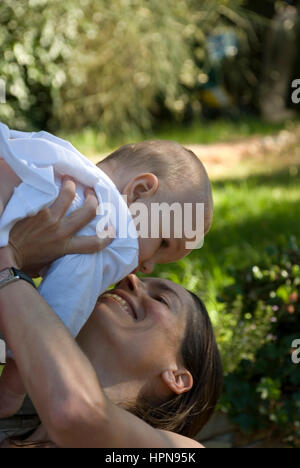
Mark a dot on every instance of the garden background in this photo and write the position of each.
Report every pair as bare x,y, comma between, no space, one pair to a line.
218,77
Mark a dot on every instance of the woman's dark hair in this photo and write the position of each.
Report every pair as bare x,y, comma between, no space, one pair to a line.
187,413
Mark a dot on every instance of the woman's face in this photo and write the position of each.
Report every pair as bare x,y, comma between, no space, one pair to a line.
141,324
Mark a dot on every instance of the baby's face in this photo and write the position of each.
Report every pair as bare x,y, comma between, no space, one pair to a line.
165,246
153,251
161,212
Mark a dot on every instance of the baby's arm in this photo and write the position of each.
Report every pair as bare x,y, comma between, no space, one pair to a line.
8,182
12,390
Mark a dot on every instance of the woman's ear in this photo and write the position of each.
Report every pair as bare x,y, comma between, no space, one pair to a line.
141,186
178,381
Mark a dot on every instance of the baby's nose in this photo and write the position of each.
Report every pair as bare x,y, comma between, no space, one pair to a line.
147,267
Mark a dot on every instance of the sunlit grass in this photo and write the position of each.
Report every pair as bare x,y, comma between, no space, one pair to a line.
257,206
92,141
251,214
221,130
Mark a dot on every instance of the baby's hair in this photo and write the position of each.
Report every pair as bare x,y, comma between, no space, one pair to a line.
179,167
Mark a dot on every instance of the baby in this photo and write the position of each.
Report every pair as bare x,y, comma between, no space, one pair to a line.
31,168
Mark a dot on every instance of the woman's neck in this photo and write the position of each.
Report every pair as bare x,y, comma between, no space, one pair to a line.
117,385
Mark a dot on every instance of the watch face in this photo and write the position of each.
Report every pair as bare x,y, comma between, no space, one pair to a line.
5,275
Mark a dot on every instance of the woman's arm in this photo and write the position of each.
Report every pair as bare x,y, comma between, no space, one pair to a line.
60,379
62,383
30,327
50,235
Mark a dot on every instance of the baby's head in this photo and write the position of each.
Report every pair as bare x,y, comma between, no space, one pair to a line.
162,172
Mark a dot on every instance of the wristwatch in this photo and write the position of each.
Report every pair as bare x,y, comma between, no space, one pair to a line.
11,275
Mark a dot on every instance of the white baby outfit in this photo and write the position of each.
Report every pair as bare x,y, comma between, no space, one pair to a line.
72,284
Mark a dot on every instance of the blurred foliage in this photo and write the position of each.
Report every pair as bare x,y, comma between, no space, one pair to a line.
113,65
264,390
126,66
36,39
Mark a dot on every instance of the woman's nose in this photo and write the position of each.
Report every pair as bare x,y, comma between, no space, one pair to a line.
133,283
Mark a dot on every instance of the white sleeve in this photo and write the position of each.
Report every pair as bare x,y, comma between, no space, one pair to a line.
73,284
37,157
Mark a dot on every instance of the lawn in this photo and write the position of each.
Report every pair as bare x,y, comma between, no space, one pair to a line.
93,141
250,214
257,203
252,211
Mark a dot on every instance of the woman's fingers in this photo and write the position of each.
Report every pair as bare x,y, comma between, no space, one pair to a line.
89,245
49,235
64,199
84,215
80,218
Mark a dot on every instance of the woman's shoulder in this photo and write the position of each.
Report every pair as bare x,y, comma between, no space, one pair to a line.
180,441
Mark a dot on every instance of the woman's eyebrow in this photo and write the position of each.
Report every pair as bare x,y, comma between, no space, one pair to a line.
166,288
162,287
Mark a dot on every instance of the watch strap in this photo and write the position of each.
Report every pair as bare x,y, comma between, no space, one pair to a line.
10,275
23,276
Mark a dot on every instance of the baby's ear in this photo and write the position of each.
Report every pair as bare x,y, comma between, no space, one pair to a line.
141,186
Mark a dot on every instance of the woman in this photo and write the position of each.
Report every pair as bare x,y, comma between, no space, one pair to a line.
145,371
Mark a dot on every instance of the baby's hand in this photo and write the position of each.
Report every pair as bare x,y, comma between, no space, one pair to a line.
12,390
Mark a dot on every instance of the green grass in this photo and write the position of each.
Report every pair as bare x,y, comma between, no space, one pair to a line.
92,141
259,207
220,130
252,211
250,214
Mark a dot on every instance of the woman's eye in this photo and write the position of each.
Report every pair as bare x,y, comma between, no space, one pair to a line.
162,300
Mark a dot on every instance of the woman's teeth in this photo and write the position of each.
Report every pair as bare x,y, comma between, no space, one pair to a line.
119,299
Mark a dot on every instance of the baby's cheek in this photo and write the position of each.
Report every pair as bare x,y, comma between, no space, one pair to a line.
141,250
147,249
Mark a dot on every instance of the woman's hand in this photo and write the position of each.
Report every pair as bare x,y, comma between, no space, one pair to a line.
39,240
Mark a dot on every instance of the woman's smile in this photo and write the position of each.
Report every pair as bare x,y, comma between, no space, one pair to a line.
153,304
124,304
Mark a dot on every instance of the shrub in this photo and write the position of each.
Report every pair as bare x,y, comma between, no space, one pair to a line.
263,392
116,66
36,40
